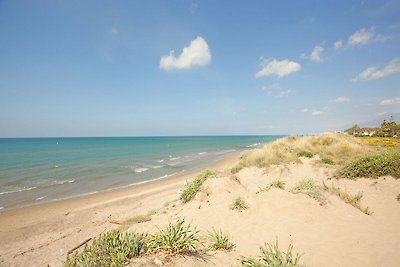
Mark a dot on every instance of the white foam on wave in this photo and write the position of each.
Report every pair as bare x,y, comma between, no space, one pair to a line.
40,198
160,160
175,158
157,166
1,208
254,145
202,153
17,191
64,182
139,170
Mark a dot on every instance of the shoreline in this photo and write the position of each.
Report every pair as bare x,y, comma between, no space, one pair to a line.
13,219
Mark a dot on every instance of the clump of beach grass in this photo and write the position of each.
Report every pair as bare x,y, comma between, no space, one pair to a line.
191,190
327,161
373,165
306,154
239,204
272,256
310,188
113,248
219,240
354,200
176,238
273,184
339,148
138,219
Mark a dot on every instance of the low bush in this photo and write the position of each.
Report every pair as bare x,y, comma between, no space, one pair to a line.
219,241
327,161
305,153
374,165
274,184
176,237
272,256
113,248
310,188
239,204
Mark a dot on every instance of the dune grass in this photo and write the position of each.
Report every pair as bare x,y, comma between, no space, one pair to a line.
339,148
191,190
272,256
177,237
373,165
239,204
219,240
327,161
113,248
310,188
354,200
273,184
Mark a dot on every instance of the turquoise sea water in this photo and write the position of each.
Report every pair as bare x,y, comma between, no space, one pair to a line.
36,170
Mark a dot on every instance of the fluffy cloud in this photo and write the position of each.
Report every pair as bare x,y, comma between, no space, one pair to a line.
196,54
372,73
278,68
304,110
315,54
390,101
342,99
361,37
338,45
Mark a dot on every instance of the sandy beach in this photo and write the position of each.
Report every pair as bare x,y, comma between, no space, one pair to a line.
326,230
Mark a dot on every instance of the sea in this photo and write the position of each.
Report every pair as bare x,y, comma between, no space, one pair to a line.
38,170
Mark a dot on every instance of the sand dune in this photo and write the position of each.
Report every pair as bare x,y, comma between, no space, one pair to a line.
335,234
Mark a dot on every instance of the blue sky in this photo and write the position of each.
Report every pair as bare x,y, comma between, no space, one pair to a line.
134,68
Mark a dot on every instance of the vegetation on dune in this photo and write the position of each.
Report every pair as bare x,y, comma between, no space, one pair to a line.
327,161
373,165
273,184
338,148
219,241
272,256
310,188
239,204
191,190
387,129
353,200
176,237
113,248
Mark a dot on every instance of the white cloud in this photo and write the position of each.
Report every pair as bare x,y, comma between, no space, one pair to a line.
381,38
278,68
304,110
342,99
315,54
361,37
286,93
390,101
196,54
338,45
317,112
372,73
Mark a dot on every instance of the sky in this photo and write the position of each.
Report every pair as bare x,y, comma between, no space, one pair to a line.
139,68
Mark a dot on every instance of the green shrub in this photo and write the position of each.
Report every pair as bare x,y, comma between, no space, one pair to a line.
219,241
272,256
113,248
305,153
175,238
327,161
374,165
191,190
302,185
239,204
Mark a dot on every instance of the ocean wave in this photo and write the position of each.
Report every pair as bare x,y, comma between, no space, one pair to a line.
202,153
253,145
63,182
1,208
17,191
40,198
160,160
139,170
175,158
157,166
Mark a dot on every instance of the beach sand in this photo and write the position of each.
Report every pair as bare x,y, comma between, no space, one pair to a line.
335,234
